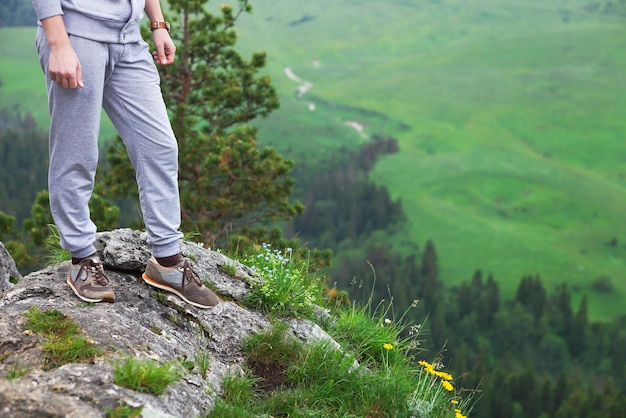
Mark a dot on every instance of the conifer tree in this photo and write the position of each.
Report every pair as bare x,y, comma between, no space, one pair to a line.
578,334
229,187
430,285
6,224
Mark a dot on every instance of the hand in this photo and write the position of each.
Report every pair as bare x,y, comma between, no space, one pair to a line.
65,68
165,48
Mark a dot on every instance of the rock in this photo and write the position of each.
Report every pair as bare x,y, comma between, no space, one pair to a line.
20,400
142,322
8,270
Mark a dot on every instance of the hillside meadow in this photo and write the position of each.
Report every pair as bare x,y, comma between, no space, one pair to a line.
509,115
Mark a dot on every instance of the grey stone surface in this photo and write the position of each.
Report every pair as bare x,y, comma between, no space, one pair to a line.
137,324
8,270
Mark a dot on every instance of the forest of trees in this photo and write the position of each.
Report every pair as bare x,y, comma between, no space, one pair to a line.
341,204
534,356
23,162
17,13
530,357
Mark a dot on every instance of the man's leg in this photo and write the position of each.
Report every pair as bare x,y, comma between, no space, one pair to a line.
74,127
133,101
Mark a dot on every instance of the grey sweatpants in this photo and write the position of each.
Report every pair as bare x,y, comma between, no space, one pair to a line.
122,79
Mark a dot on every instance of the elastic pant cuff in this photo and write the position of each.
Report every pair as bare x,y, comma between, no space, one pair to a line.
84,252
167,250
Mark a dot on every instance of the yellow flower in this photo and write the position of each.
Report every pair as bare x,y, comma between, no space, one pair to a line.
447,385
454,402
443,375
388,346
427,366
458,414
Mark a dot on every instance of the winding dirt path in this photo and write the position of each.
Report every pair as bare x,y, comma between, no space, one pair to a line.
305,86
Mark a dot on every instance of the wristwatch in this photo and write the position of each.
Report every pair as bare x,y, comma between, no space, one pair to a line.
159,25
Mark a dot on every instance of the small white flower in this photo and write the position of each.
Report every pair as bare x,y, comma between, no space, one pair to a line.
387,321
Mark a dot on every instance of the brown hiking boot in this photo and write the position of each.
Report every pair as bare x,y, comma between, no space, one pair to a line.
88,281
182,281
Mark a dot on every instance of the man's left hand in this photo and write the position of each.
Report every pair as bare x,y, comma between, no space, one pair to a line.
165,48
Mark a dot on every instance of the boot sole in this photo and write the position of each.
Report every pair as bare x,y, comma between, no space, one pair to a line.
174,291
86,299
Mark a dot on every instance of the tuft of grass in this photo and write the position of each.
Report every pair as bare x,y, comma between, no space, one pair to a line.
174,319
16,371
201,355
161,297
54,253
375,338
123,411
64,344
374,334
186,364
76,349
432,395
50,323
13,280
145,375
282,286
229,269
335,378
239,390
268,355
191,236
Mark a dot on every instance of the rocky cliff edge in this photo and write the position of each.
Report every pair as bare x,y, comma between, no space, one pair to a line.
140,323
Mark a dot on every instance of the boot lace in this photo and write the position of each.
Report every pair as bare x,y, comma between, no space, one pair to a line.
95,270
189,275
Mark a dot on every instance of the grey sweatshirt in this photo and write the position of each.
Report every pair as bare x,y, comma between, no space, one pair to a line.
110,21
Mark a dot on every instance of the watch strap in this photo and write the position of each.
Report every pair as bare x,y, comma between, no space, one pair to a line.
159,25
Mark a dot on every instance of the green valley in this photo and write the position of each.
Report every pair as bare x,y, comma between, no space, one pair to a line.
509,116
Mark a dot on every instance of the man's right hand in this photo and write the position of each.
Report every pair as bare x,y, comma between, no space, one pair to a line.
64,66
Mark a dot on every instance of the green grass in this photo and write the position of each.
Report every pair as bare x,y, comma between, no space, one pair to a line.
373,371
282,285
63,344
201,356
285,377
145,375
16,371
123,411
509,115
55,254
